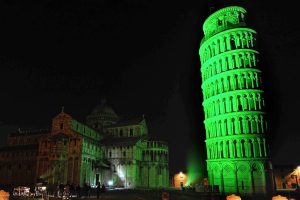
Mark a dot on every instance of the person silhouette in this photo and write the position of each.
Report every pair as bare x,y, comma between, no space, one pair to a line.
103,188
98,188
78,191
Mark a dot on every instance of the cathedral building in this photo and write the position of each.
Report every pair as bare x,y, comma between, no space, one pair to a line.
106,148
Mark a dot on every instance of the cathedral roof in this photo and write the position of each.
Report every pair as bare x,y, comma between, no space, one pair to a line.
127,122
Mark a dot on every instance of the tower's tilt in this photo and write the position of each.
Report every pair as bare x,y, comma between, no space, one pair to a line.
235,122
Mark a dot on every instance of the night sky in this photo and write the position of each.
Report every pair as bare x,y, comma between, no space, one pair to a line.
142,57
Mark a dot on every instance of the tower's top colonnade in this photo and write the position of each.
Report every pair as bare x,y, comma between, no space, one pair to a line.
225,18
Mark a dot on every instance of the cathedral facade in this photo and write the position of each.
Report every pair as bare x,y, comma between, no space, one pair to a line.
106,148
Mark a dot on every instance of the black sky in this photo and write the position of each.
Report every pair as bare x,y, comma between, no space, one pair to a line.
142,56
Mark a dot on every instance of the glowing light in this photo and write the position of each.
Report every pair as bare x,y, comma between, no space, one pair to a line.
233,197
121,174
279,197
110,183
195,166
4,195
180,180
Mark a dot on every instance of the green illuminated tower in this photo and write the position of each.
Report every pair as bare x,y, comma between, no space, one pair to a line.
235,121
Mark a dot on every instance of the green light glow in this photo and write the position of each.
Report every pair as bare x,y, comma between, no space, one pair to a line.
235,122
194,168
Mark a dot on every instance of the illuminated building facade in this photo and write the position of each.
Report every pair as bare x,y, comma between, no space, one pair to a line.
105,148
180,180
135,161
69,153
235,120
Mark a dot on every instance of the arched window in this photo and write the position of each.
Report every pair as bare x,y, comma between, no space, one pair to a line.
234,149
241,125
131,132
243,148
251,148
221,150
232,43
228,149
239,102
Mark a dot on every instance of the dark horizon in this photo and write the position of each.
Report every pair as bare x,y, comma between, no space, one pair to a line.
143,58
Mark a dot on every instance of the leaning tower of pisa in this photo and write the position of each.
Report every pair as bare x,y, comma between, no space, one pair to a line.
235,122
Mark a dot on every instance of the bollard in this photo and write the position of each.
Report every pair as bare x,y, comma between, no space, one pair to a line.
233,197
4,195
279,197
165,196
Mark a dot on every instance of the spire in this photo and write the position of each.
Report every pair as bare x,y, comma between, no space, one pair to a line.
62,109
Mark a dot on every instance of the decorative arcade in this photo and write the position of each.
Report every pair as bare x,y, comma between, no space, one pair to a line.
235,120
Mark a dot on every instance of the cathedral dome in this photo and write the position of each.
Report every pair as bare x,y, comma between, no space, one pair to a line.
102,115
103,110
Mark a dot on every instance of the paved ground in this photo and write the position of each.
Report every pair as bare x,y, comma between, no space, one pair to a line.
148,195
157,195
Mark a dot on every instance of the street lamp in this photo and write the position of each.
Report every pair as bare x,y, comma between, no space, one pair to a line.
181,175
